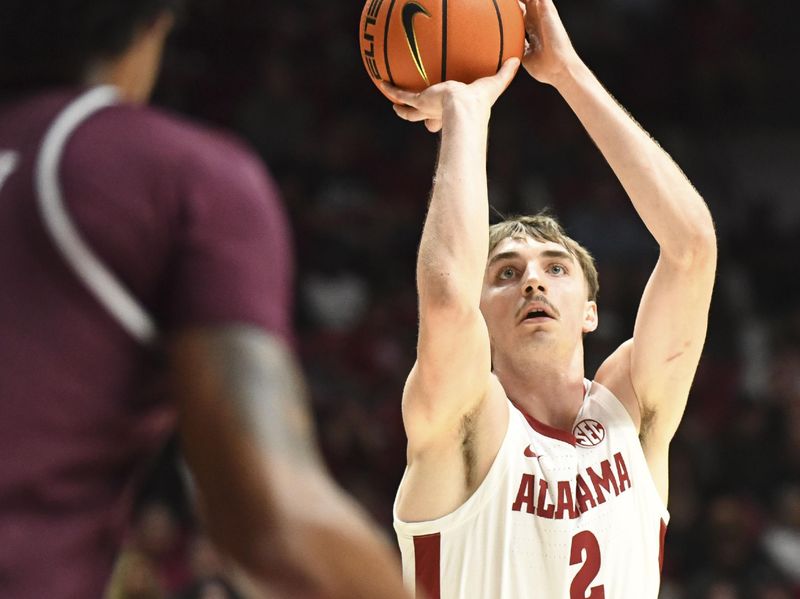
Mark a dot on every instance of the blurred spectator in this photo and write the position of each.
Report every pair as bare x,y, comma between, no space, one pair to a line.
210,588
782,539
158,536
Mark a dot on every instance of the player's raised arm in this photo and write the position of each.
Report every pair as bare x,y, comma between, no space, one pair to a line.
453,361
267,501
671,323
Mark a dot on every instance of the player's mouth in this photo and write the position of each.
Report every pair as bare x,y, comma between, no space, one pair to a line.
539,311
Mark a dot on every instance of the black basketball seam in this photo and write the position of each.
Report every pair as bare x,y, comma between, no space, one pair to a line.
386,42
444,40
500,25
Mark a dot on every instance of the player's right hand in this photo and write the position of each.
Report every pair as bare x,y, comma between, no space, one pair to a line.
548,49
431,104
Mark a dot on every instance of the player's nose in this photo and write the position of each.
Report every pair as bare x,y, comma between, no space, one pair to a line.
532,283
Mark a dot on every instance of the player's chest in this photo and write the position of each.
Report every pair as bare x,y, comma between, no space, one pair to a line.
555,480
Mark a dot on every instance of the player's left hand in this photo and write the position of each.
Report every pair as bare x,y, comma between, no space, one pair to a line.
548,49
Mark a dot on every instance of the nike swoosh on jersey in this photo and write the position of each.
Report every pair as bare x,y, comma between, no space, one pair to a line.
410,10
529,453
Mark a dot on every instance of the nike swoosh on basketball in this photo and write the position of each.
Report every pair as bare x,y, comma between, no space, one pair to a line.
410,10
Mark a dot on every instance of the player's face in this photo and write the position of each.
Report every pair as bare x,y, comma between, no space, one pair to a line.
535,291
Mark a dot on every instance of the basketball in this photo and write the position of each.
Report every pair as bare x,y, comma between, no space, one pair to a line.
416,43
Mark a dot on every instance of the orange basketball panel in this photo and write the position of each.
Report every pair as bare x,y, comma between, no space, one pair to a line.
474,39
513,28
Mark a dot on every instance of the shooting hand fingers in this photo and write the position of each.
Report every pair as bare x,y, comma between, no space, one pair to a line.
409,113
433,125
399,96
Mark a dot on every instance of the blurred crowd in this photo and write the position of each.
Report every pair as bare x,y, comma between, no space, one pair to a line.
712,80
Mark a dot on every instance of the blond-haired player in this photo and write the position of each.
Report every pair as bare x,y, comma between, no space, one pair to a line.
524,478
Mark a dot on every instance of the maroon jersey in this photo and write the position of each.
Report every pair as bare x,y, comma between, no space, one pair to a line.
185,227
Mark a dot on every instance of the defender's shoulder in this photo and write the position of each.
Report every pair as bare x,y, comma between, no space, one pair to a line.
163,136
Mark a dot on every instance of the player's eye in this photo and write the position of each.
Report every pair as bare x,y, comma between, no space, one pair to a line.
506,273
558,269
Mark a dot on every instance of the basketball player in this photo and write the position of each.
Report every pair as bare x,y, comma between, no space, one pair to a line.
525,479
140,252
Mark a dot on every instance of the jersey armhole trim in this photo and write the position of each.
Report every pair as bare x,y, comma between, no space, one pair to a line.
100,281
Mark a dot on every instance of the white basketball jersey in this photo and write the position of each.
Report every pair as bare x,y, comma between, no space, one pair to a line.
558,516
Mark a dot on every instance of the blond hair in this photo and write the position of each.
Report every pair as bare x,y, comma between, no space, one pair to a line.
545,228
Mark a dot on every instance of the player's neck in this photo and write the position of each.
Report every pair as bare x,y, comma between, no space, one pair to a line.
545,387
134,72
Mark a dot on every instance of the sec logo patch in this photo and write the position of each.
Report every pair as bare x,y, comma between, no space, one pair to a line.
589,433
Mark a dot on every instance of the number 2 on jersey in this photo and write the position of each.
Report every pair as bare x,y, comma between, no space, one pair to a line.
586,542
8,162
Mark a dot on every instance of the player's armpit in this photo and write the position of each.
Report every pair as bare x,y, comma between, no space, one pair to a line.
247,437
615,375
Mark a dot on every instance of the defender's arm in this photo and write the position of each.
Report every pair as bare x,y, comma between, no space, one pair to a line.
266,498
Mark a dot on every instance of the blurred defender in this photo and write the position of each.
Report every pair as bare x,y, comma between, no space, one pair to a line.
138,254
524,479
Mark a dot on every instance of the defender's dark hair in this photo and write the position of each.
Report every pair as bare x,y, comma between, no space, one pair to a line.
55,42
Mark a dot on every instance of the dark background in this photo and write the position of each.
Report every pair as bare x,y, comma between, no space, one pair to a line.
715,81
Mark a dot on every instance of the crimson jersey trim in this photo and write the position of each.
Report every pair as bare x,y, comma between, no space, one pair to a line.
427,559
547,430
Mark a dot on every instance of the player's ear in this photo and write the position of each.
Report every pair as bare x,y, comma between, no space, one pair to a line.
590,317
